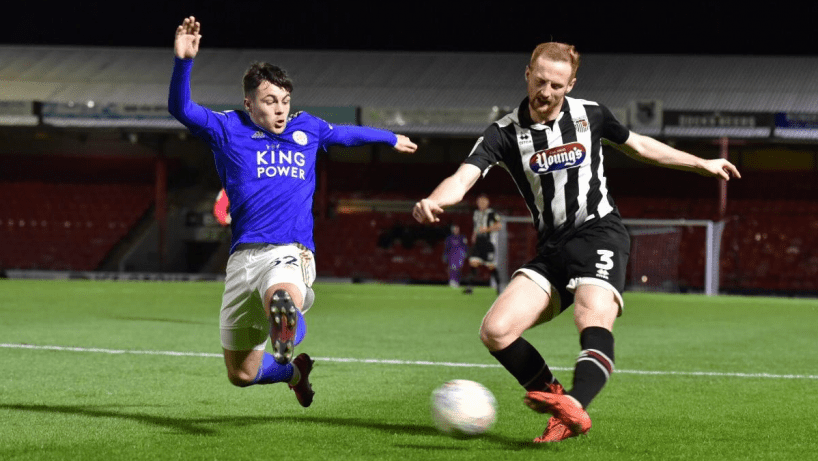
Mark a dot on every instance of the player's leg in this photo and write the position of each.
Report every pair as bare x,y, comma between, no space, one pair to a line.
600,258
522,305
242,325
244,328
247,363
284,278
471,274
282,306
284,283
595,310
491,265
494,276
457,261
454,276
596,260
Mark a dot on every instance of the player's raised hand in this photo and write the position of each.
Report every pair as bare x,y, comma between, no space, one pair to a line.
426,211
405,145
188,35
721,168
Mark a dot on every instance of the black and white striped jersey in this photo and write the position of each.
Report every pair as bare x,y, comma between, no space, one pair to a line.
485,218
558,167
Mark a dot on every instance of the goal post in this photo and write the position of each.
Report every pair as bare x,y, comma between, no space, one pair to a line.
656,251
712,244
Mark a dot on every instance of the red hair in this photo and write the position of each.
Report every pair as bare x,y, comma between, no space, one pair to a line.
556,51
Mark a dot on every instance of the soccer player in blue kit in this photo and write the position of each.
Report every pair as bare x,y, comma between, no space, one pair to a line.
265,159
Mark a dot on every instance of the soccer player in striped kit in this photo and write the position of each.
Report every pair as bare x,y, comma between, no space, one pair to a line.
265,158
551,146
483,251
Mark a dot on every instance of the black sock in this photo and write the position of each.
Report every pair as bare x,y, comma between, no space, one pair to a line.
523,361
594,365
496,277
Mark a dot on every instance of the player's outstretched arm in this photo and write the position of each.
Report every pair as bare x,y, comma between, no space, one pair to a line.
197,118
450,191
405,145
351,135
188,36
649,150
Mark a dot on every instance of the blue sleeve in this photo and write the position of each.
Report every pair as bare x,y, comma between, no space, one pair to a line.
200,120
349,135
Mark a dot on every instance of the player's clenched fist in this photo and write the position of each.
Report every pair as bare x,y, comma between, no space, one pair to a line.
405,145
188,36
426,211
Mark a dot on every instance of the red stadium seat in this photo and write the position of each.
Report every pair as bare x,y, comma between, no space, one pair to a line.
63,226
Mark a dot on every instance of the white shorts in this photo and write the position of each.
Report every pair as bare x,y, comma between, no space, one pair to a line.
251,270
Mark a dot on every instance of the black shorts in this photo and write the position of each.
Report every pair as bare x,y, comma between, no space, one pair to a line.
598,251
483,250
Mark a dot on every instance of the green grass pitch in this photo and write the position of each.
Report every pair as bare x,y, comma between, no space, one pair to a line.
86,373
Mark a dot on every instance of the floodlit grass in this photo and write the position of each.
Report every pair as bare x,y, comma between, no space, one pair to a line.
697,378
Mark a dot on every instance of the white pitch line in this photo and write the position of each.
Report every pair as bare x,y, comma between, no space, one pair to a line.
401,362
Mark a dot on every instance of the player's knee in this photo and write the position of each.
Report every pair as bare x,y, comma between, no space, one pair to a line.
291,289
240,378
495,334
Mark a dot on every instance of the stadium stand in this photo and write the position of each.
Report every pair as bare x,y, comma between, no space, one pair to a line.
769,242
66,226
65,212
768,245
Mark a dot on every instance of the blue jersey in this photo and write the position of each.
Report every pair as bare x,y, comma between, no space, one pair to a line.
269,178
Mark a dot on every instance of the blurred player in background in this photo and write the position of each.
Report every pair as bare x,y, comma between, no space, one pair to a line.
265,158
484,238
551,146
221,209
454,255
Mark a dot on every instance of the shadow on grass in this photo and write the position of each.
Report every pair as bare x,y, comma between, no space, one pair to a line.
415,429
158,319
185,425
198,426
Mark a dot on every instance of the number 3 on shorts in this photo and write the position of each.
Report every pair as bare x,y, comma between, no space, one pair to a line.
605,258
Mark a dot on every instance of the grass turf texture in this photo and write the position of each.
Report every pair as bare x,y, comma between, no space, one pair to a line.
100,405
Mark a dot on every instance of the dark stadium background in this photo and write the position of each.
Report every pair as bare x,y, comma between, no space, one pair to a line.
693,27
408,252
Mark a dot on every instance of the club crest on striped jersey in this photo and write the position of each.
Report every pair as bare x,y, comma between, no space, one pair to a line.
557,158
581,124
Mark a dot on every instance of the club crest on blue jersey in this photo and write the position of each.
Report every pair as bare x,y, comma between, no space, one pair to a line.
300,137
557,158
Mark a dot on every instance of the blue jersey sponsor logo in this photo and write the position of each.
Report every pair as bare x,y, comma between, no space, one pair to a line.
279,163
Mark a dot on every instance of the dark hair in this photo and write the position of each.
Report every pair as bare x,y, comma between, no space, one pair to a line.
261,71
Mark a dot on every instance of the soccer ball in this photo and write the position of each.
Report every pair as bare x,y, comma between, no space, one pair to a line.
463,408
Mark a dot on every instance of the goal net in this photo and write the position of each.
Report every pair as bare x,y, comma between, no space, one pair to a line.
668,255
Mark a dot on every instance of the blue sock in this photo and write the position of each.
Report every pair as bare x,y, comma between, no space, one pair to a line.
300,329
271,371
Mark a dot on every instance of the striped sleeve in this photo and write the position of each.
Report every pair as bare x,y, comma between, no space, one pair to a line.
612,129
488,149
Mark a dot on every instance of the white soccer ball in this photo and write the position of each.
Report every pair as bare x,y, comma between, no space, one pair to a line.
463,408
